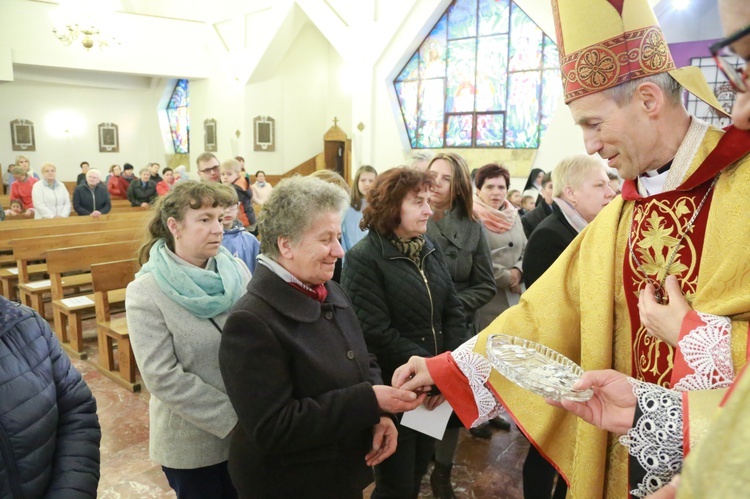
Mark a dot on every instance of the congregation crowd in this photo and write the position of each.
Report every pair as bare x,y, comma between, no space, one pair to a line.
281,365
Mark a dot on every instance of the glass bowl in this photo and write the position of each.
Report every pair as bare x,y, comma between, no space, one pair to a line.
536,368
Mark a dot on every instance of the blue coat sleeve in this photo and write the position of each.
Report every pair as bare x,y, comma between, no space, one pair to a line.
75,471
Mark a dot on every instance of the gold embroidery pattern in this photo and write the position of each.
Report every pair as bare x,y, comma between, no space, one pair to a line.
596,68
657,226
633,54
654,50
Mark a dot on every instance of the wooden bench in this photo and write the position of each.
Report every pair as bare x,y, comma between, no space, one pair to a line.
68,312
35,249
108,278
9,276
17,224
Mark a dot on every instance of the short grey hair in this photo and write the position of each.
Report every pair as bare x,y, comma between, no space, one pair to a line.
623,93
295,203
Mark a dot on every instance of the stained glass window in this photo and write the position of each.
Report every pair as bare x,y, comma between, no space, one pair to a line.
177,114
485,76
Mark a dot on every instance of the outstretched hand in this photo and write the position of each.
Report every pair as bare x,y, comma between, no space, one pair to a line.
413,376
612,407
384,437
395,400
663,321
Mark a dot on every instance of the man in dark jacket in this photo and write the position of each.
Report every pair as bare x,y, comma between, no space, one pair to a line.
92,197
543,209
49,433
142,192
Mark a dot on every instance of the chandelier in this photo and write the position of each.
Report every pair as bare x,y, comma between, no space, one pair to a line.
89,36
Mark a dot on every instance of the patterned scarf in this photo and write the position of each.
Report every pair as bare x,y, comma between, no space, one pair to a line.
497,221
410,248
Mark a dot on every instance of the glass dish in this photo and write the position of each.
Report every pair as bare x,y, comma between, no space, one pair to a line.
536,368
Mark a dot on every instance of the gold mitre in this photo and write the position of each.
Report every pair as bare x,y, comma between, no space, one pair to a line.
603,43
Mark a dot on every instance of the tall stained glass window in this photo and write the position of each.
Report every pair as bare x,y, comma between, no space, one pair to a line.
485,76
177,113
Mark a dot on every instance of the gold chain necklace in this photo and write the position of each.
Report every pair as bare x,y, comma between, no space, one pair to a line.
659,286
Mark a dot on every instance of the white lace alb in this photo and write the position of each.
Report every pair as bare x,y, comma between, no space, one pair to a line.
477,370
656,438
707,351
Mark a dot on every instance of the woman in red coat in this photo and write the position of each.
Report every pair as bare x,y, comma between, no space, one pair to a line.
117,185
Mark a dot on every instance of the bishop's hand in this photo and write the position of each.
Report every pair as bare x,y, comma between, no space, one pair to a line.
663,321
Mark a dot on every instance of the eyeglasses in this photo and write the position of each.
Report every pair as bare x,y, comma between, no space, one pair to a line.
213,169
722,53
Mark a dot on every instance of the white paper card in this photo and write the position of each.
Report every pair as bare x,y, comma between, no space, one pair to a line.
77,301
13,270
38,284
432,423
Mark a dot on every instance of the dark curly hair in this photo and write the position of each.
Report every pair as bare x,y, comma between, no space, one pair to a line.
383,211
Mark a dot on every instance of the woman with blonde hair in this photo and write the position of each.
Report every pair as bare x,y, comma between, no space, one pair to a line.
580,189
351,232
176,308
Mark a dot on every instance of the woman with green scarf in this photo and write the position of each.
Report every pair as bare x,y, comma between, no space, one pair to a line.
176,308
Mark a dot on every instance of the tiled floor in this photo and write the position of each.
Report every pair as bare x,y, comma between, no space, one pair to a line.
483,469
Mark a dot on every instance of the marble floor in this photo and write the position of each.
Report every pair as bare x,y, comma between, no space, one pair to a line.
483,468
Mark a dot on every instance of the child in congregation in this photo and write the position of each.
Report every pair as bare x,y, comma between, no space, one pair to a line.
230,174
527,204
16,211
240,243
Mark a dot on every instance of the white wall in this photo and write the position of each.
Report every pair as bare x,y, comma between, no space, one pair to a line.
303,96
55,108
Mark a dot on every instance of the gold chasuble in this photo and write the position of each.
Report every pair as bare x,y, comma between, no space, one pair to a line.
585,305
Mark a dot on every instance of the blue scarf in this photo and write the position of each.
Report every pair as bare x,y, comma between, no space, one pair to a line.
203,292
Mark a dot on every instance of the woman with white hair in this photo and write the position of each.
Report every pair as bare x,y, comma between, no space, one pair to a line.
580,191
50,197
311,405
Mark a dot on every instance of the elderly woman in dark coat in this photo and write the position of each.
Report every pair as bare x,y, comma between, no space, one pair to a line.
458,232
404,297
309,398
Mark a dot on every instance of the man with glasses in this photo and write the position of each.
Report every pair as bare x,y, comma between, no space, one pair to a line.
657,286
208,168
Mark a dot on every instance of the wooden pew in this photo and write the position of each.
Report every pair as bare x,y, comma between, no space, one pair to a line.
68,313
36,248
9,276
109,278
43,222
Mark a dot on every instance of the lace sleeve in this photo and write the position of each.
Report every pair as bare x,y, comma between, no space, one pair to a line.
477,371
706,350
655,441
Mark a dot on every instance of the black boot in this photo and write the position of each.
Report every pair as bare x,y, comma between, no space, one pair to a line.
500,423
440,480
481,431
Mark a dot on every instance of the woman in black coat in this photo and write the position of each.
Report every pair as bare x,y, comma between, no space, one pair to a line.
406,303
311,406
458,232
49,433
580,191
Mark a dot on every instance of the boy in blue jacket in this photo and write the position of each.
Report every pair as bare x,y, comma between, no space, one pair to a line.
237,240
